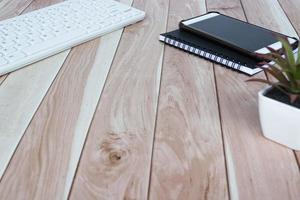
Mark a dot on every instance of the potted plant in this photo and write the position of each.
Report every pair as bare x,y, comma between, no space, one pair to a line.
279,103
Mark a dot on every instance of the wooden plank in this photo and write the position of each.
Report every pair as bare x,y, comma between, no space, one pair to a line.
257,167
2,78
188,159
282,20
77,90
297,154
36,4
103,60
96,68
116,160
9,8
58,129
20,96
292,11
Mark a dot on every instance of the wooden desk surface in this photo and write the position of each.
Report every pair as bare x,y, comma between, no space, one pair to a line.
125,117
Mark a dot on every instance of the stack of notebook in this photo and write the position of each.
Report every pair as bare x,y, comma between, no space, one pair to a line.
211,50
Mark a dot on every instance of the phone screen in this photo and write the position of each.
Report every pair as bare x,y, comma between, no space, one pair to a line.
235,32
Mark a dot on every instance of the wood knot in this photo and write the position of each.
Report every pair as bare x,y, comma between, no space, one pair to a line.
116,157
116,148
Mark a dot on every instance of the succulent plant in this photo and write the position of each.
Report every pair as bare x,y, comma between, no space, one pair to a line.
285,69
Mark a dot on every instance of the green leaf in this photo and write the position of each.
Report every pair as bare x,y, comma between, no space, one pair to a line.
288,51
282,64
298,62
297,74
278,59
298,55
281,88
285,69
278,75
295,91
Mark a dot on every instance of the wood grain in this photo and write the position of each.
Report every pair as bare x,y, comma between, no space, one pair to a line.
283,24
81,81
116,160
37,4
93,87
20,95
11,8
95,83
257,167
297,154
188,159
53,141
292,11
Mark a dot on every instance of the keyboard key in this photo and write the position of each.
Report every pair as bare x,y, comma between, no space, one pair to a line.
7,50
50,30
3,61
22,45
15,56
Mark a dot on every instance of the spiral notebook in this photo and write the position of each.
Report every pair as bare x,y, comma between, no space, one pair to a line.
210,50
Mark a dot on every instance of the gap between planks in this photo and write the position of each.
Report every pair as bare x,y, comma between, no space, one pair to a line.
20,95
12,8
291,9
188,158
116,160
240,123
156,116
93,84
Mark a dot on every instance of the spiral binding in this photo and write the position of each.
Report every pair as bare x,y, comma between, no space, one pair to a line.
203,53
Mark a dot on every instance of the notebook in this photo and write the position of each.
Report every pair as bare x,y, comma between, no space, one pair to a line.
211,50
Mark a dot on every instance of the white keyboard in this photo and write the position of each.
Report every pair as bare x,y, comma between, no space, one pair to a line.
39,34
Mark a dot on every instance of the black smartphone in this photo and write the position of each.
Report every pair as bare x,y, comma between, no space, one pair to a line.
242,36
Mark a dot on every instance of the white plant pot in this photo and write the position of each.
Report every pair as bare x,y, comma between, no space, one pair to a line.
280,122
